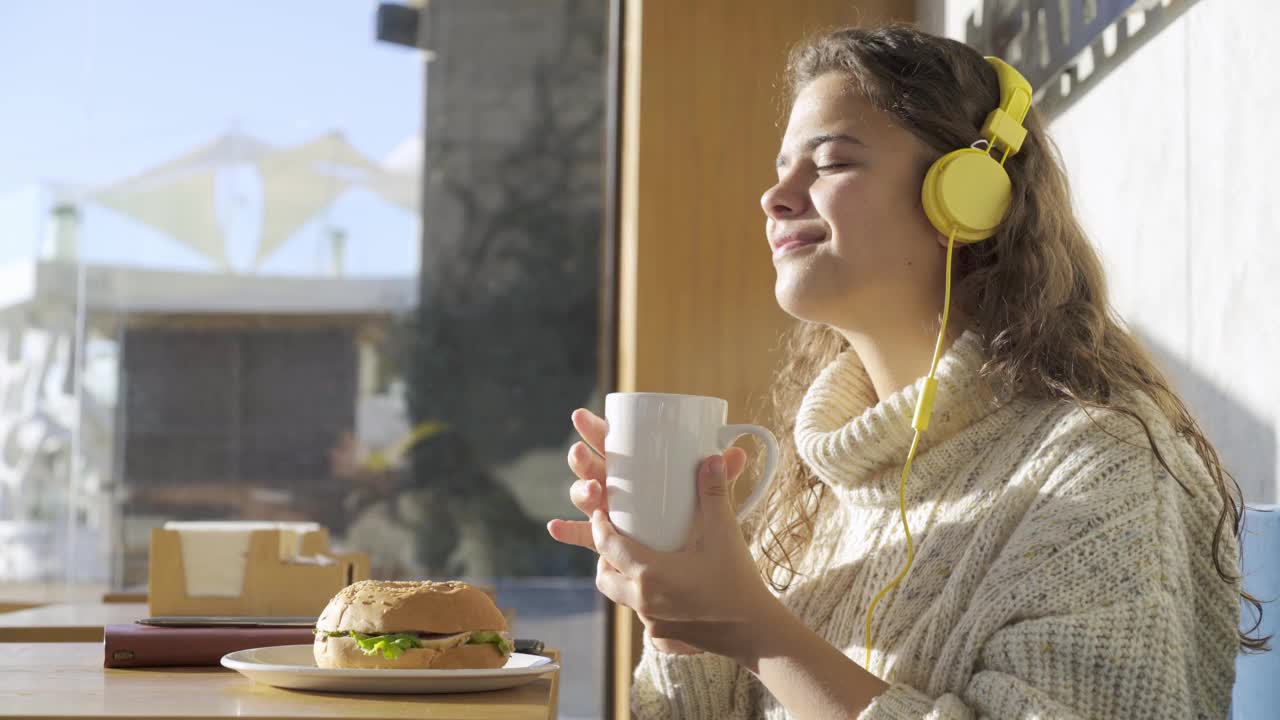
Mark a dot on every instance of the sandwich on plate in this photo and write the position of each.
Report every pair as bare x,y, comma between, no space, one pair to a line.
412,626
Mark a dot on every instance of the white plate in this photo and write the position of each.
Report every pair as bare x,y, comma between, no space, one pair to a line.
294,667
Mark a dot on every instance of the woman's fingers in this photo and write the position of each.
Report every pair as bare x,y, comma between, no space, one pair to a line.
587,496
592,428
588,492
735,461
572,532
585,463
623,554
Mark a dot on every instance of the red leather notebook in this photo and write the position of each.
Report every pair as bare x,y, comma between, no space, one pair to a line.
131,646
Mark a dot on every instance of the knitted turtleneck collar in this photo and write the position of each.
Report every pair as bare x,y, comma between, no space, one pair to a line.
845,436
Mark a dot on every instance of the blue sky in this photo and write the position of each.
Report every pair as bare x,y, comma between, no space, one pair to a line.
98,90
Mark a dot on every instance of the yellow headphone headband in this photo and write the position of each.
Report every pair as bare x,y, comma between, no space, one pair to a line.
965,194
1003,127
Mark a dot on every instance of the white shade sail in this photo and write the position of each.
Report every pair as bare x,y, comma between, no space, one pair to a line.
298,183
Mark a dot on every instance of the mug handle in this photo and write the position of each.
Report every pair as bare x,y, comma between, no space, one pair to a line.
729,434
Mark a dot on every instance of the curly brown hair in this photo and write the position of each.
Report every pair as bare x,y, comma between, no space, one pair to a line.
1035,291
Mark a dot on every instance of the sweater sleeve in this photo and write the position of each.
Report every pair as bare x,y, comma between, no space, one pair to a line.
1104,603
672,687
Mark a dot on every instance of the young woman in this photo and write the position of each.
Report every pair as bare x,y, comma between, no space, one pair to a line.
1074,534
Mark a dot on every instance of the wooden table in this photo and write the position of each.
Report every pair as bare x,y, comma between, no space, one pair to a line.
72,622
68,681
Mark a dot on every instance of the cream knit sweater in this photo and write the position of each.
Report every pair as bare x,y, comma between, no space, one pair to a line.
1060,572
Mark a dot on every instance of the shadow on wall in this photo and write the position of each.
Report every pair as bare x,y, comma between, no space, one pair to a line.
1246,441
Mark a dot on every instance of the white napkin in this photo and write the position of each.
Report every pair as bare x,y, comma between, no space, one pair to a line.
213,553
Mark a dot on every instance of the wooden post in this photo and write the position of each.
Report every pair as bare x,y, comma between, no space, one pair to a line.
702,116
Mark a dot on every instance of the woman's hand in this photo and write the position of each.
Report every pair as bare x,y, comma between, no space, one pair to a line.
708,594
587,493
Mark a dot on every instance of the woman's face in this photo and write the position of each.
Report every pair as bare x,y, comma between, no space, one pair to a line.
850,241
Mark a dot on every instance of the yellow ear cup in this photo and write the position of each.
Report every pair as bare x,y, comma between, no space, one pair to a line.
967,192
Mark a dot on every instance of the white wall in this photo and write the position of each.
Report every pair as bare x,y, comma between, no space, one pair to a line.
1173,172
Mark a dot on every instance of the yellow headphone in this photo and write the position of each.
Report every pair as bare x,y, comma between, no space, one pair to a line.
967,190
965,195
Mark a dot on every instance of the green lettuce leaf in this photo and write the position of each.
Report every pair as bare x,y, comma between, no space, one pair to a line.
391,646
482,637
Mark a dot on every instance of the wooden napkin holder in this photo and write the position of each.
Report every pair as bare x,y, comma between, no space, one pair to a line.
272,587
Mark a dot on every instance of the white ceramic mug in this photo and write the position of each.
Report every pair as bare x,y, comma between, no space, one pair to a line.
655,445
